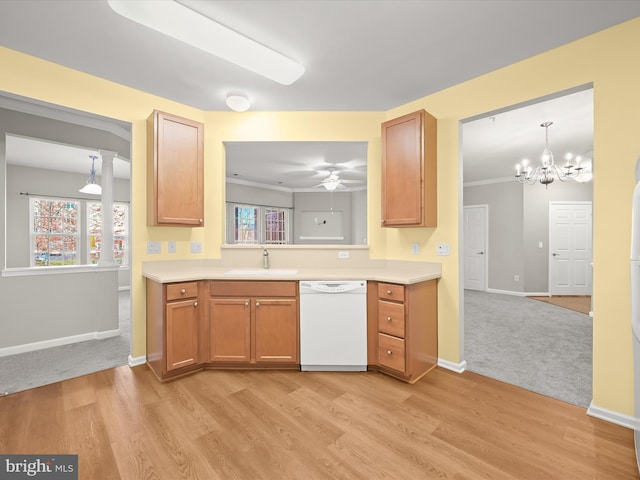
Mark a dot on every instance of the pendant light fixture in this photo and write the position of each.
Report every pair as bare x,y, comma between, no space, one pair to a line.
92,188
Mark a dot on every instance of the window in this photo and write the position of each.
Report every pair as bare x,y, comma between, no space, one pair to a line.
120,232
275,226
54,232
257,224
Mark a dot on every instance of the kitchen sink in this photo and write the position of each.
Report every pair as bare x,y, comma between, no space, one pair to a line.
261,271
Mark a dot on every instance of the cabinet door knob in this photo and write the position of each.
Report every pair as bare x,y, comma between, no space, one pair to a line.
183,291
389,352
388,319
257,304
195,304
246,304
200,220
388,292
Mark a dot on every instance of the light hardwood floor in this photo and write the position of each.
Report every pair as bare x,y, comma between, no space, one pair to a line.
124,424
578,303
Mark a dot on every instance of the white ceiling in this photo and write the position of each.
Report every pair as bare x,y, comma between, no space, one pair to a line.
36,153
494,144
367,55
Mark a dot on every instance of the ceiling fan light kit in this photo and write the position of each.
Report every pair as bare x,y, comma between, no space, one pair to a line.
548,171
179,22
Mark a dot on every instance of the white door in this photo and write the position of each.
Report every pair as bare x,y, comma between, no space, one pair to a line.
475,247
570,248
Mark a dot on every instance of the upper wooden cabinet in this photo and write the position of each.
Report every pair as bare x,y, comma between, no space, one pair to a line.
175,178
409,180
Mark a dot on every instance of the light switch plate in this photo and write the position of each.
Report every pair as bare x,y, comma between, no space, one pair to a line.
343,254
415,249
442,249
171,247
154,248
196,247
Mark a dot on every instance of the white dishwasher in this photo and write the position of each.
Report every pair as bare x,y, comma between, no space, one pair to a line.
333,325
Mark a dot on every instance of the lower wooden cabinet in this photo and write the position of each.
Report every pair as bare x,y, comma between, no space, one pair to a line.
403,329
254,323
230,330
173,326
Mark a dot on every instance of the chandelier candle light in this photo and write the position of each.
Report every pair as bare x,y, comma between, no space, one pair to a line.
548,171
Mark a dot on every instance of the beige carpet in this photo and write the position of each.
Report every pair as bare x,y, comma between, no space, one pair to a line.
577,303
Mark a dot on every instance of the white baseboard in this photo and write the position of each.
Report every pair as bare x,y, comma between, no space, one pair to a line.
57,342
107,334
518,294
136,361
613,417
455,367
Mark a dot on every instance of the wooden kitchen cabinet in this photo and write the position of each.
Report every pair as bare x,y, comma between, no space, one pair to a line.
409,176
403,329
175,177
230,330
173,325
254,322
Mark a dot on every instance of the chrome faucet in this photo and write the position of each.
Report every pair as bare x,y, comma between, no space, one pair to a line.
265,258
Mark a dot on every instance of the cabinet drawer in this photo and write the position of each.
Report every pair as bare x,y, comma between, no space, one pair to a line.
391,318
259,288
391,291
177,291
391,352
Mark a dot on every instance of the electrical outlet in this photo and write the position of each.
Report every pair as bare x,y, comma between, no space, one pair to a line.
442,249
539,244
171,247
516,278
196,247
154,248
343,254
415,249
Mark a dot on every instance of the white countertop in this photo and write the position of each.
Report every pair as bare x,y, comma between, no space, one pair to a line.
393,271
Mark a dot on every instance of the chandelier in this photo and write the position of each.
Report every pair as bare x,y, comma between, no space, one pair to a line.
548,171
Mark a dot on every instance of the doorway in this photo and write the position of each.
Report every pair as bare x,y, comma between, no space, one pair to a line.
492,144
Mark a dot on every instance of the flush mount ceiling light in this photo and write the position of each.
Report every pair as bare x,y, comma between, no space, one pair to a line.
548,171
237,103
92,187
181,23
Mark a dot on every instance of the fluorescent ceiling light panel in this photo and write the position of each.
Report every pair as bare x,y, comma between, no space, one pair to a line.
181,23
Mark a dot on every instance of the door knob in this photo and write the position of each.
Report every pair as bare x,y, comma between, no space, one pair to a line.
480,253
555,254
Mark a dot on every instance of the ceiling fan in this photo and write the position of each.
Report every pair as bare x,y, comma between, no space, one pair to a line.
333,181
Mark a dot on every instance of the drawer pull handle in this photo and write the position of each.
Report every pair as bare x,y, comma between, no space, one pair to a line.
388,292
246,304
195,304
257,304
388,319
183,291
389,352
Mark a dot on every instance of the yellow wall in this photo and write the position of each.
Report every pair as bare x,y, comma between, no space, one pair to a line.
608,59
